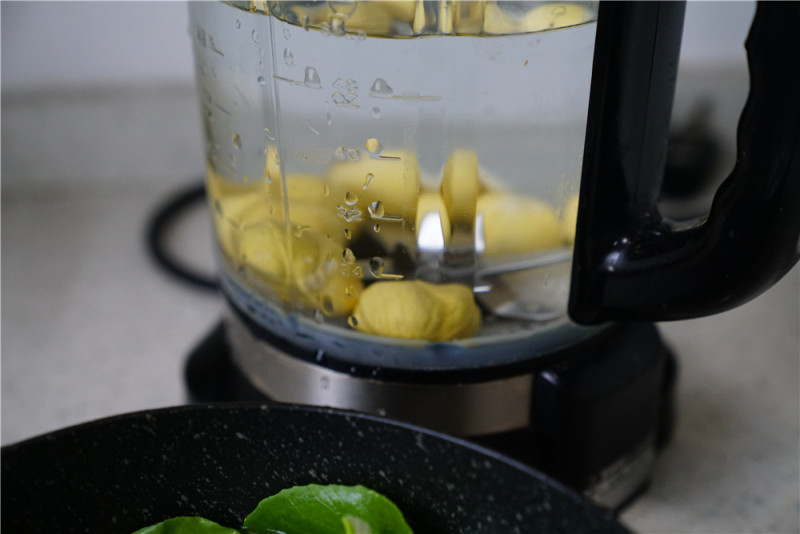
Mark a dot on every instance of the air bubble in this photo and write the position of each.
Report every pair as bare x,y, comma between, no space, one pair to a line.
373,146
376,210
288,57
329,118
376,112
348,233
377,228
254,36
350,198
376,265
348,256
368,180
237,141
381,88
238,24
312,78
352,321
262,81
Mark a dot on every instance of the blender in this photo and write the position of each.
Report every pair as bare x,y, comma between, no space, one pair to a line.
446,213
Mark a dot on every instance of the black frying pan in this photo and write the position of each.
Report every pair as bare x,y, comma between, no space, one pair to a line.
122,473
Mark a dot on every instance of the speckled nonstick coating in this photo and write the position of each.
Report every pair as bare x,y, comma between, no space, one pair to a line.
122,473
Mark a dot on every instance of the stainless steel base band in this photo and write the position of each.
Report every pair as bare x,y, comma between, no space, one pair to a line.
469,409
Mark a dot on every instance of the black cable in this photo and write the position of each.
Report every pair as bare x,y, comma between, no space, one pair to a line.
158,227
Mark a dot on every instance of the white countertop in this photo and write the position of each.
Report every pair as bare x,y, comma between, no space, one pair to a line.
92,328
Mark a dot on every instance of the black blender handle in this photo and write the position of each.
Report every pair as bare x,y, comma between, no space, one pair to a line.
631,264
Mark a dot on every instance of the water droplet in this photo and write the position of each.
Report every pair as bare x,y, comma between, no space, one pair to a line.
254,36
262,81
350,198
337,25
324,382
352,321
312,78
287,34
320,353
320,318
348,256
344,7
326,191
238,24
377,228
288,57
373,146
316,132
376,210
368,180
376,265
201,36
349,214
376,112
381,88
329,118
306,22
237,141
353,154
327,304
347,233
269,134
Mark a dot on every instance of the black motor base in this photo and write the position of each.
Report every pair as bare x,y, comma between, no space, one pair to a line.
595,418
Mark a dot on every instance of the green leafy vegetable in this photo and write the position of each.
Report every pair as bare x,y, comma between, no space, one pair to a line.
312,509
330,509
186,525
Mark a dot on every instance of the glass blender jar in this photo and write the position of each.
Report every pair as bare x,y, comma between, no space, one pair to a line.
395,194
372,195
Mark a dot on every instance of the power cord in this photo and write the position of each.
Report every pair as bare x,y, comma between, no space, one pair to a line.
158,227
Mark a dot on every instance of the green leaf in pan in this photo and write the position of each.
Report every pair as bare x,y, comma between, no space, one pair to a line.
328,509
186,525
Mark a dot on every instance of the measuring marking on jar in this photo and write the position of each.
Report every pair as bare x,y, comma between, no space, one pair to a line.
405,97
311,81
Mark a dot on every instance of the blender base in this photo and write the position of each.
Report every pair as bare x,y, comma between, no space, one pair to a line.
598,419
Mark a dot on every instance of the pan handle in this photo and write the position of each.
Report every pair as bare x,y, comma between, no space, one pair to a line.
630,263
